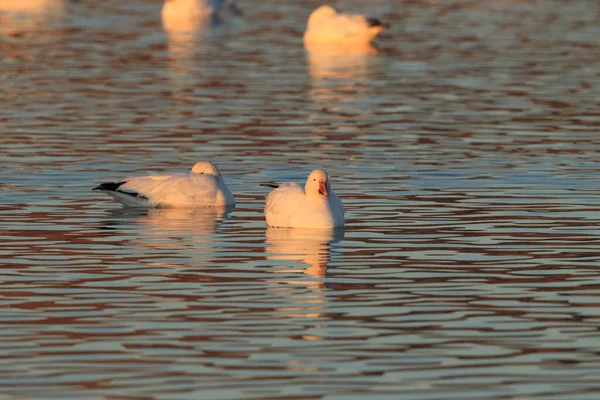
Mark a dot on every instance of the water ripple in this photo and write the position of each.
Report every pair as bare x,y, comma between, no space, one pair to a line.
464,148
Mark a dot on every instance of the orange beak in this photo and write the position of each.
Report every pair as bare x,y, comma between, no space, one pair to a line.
323,189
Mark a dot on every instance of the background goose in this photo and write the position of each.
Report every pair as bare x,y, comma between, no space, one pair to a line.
178,15
202,187
326,25
315,206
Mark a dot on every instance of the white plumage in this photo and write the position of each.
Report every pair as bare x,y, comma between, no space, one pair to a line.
31,16
315,206
30,6
326,25
202,187
187,15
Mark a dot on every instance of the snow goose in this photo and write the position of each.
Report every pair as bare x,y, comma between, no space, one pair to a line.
326,25
31,16
315,206
185,15
202,187
31,6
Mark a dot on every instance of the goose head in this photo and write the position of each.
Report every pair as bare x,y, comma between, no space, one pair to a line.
317,184
319,14
206,167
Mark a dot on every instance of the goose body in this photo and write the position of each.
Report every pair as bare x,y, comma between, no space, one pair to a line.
202,187
326,25
314,206
178,15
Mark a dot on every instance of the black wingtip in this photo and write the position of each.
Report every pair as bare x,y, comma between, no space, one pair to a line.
271,185
114,187
372,22
109,186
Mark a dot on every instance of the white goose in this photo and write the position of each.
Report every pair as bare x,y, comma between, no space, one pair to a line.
326,25
31,16
202,187
30,6
315,206
186,15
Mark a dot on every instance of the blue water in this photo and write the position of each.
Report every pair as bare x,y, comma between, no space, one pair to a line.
465,151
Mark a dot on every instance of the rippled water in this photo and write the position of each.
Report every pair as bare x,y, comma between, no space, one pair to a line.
465,151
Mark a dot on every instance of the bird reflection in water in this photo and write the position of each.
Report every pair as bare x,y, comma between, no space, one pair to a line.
195,221
307,246
339,72
170,228
190,26
183,47
311,247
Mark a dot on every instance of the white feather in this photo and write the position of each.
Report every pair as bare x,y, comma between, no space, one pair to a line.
325,25
291,206
189,15
202,187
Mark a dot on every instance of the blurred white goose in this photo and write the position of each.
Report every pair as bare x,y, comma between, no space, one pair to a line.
202,187
29,6
325,25
315,206
178,15
18,16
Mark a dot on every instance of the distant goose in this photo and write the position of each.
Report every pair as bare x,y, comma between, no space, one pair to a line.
315,206
30,6
178,15
325,25
32,16
202,187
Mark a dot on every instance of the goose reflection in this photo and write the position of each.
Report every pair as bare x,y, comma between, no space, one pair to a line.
190,27
17,16
183,48
308,246
311,247
186,40
169,228
339,72
195,221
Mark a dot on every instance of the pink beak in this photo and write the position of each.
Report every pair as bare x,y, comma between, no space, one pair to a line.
323,189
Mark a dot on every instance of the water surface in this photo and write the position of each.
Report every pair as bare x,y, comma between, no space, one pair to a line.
465,150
